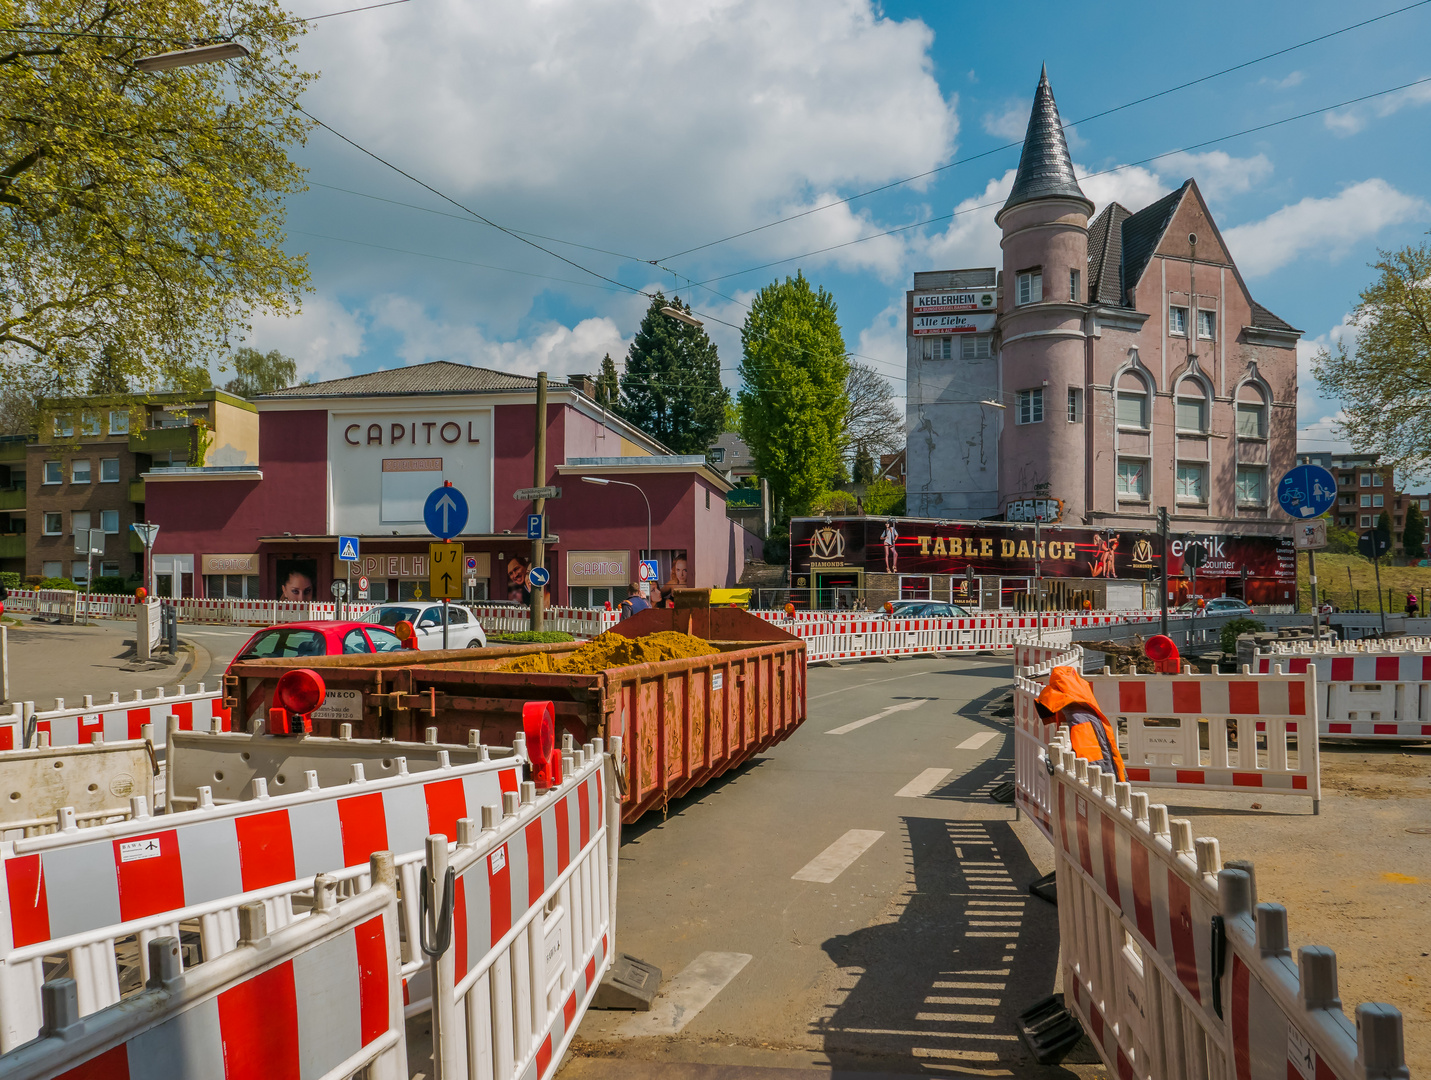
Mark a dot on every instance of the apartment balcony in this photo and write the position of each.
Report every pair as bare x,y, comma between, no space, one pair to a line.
136,490
12,500
163,440
12,547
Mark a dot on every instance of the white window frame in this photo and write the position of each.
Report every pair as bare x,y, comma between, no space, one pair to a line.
1366,479
108,569
1261,473
1177,321
1376,479
1192,467
1075,286
108,461
1210,318
1075,405
938,348
119,421
1030,287
975,347
58,520
52,569
1199,396
1366,521
75,464
1366,501
105,518
89,424
79,571
1378,500
1257,409
64,426
1028,407
1144,395
1127,495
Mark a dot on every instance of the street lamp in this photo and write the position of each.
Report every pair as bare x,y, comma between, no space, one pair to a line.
602,481
681,316
993,404
199,54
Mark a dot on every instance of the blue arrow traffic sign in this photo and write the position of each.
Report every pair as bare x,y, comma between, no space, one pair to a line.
1307,491
348,548
540,575
445,512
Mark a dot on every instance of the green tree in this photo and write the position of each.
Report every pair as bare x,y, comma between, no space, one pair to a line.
1413,538
1384,382
1341,540
864,468
671,387
792,401
261,373
143,210
608,384
884,498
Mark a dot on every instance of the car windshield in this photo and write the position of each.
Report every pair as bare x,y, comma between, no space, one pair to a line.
384,640
284,641
391,616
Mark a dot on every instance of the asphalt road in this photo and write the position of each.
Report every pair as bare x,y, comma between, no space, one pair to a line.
850,901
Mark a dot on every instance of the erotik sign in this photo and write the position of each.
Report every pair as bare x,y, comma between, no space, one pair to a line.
929,547
1227,556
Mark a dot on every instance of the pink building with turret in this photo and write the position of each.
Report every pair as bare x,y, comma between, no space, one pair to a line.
1133,367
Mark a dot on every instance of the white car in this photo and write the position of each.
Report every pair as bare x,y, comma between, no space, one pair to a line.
463,629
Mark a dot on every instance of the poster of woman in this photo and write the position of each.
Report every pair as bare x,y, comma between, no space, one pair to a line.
297,579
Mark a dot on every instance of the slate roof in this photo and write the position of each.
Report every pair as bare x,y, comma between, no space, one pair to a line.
1265,320
1105,255
1141,233
1045,169
437,377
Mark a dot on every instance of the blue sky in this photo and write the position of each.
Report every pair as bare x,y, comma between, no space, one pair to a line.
645,129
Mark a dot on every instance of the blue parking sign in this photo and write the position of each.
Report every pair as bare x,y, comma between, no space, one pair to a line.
534,526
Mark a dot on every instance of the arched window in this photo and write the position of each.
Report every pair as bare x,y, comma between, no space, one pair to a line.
1251,411
1133,401
1191,402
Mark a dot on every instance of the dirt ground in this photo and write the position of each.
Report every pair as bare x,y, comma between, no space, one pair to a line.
1356,878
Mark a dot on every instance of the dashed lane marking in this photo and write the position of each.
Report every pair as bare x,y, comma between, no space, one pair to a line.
838,857
973,742
688,993
903,706
923,784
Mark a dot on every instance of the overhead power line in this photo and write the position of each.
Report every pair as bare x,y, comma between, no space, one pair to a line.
1074,123
33,31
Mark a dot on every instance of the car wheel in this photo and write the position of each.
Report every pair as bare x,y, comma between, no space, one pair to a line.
474,644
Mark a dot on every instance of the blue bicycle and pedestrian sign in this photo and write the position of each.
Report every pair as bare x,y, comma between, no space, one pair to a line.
1307,491
445,512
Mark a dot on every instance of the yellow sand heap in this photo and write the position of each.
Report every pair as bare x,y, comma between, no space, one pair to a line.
612,650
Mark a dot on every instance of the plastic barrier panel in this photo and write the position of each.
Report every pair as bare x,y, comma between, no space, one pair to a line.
120,720
1217,732
80,893
96,783
1173,968
531,930
1371,690
317,998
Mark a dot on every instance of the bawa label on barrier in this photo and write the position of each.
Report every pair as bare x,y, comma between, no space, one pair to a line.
499,859
134,850
340,705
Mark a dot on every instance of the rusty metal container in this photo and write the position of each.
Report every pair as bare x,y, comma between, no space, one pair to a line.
682,722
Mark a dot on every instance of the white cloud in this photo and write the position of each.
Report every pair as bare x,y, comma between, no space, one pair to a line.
1323,435
1134,187
322,338
882,346
665,124
1010,122
1351,120
1331,225
1218,173
971,238
1296,78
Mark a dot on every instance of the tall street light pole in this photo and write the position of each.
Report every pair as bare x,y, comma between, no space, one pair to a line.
539,506
602,481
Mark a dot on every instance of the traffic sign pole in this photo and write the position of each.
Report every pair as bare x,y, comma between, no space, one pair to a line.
1309,491
539,477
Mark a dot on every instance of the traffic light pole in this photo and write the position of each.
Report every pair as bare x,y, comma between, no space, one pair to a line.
1163,532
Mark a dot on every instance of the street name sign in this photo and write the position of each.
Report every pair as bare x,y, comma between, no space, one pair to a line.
528,494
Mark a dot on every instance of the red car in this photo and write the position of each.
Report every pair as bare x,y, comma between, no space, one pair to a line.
317,639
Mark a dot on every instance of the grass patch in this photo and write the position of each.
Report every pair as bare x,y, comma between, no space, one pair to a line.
1333,583
531,637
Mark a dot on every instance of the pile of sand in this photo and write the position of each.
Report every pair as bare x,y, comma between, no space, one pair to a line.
612,650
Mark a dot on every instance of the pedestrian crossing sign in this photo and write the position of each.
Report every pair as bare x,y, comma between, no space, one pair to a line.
348,548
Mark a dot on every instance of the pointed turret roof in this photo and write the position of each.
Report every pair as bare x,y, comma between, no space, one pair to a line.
1045,169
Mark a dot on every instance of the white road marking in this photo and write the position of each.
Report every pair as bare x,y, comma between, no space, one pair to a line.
922,784
973,742
838,857
687,994
903,706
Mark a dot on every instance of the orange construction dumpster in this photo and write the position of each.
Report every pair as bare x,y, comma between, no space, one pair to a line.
682,721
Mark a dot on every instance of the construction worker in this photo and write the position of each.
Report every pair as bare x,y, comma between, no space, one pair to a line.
1069,700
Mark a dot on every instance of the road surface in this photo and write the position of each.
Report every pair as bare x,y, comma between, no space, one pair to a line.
851,900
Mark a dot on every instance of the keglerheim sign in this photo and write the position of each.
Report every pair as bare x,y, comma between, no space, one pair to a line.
938,303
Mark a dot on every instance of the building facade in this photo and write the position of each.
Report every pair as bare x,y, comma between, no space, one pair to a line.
359,456
1128,367
84,470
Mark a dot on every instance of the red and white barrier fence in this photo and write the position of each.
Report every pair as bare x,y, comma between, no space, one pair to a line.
516,930
1369,690
1172,966
115,720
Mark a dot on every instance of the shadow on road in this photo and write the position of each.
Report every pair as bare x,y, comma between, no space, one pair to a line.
711,789
940,983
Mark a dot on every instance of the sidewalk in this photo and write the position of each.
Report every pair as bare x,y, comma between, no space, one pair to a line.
49,661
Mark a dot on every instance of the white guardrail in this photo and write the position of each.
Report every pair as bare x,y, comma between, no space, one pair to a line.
1172,966
1367,690
515,928
115,720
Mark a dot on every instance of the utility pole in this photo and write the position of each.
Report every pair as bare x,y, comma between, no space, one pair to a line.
1163,532
1038,572
1316,613
539,479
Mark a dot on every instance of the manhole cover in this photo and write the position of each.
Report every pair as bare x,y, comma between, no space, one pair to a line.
1420,832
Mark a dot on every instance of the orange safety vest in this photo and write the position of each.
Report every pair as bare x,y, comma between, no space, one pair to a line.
1069,698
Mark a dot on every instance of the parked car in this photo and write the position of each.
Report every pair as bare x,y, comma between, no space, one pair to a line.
924,609
463,629
1218,605
317,639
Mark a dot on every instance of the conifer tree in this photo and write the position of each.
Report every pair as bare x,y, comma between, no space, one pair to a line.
671,387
